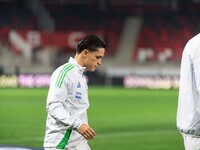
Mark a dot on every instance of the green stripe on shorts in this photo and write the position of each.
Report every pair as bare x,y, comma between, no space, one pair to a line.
65,139
62,75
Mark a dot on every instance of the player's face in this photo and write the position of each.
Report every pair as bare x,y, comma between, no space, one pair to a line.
93,59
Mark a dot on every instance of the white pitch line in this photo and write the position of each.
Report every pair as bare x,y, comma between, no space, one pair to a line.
100,135
18,140
136,133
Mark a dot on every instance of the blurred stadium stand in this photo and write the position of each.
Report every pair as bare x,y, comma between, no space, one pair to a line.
166,33
144,37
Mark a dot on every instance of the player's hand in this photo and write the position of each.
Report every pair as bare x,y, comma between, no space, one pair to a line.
87,132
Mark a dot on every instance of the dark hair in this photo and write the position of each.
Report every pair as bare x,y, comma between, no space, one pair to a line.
91,43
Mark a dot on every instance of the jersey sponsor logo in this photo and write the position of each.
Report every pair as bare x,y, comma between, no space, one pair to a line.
78,95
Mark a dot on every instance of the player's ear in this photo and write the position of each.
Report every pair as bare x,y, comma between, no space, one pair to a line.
85,52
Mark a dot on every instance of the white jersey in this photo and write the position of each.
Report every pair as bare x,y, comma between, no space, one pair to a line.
188,113
67,105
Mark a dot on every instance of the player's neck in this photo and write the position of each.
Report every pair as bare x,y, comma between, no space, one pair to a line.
79,59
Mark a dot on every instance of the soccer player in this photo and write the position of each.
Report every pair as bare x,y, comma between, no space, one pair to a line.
188,113
67,101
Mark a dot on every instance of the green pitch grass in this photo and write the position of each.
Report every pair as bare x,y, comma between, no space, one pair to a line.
124,119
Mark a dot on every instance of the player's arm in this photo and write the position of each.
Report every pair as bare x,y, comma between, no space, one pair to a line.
195,59
55,108
196,68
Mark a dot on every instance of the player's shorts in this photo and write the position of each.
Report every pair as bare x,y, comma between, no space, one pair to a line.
191,142
81,146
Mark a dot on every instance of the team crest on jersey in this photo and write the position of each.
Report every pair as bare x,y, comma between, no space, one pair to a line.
79,85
